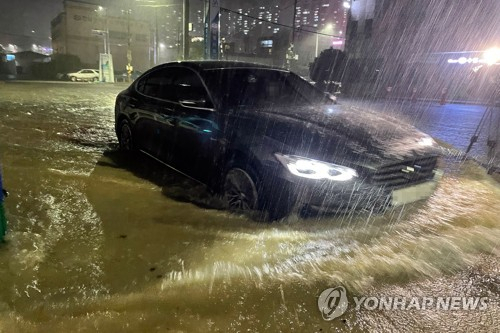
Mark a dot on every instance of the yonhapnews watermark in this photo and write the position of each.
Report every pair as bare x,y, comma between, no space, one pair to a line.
333,303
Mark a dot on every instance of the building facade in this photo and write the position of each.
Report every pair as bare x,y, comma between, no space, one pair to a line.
270,29
86,30
168,27
320,24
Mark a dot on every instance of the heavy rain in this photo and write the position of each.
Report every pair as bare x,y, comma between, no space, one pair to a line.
103,240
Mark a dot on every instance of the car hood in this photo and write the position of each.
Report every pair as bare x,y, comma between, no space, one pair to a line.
356,135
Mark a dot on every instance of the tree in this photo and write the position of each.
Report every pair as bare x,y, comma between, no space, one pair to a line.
327,69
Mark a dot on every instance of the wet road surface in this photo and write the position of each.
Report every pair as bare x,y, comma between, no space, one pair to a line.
101,241
453,124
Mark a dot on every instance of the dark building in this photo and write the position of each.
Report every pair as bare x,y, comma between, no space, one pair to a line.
7,65
266,28
25,61
85,30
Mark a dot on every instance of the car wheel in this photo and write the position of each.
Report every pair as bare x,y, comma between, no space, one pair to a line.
244,192
240,191
73,78
95,79
125,137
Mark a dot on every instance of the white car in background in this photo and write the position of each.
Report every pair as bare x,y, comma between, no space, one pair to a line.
84,75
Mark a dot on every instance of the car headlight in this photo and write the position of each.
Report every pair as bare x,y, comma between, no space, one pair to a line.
426,141
313,169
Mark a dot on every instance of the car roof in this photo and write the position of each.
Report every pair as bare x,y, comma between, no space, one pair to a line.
220,64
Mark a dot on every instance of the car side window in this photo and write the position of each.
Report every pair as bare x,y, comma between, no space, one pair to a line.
189,89
157,84
141,84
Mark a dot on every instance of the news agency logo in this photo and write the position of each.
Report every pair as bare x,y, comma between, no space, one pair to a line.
333,303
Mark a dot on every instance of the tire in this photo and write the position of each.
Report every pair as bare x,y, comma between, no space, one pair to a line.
240,191
125,137
73,78
95,79
244,192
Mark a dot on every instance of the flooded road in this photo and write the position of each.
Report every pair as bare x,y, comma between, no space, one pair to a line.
453,124
101,241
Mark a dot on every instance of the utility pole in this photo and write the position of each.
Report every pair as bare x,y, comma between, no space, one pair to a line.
129,49
183,25
294,17
186,29
105,58
108,44
156,40
212,29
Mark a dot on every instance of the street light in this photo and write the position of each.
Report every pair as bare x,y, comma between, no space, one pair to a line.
327,28
102,33
185,5
104,10
105,59
492,56
161,46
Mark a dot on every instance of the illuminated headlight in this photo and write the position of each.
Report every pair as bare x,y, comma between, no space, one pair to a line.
426,141
313,169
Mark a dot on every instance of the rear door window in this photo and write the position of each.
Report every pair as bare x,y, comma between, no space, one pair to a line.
189,89
158,84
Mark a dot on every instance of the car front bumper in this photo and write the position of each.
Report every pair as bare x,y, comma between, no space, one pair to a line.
331,197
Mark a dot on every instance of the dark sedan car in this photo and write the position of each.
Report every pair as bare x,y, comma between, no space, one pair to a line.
270,142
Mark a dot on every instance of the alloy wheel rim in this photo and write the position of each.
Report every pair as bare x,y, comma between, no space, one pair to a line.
240,192
126,138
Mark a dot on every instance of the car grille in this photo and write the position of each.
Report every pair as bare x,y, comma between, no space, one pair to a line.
405,173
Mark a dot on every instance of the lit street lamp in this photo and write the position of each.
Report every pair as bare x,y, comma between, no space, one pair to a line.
327,30
161,46
492,56
154,4
105,32
102,33
105,59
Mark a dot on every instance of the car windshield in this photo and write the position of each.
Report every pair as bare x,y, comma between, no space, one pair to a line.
261,87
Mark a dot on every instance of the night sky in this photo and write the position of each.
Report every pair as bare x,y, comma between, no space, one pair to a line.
20,17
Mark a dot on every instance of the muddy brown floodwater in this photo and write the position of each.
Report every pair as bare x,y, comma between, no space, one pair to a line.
101,241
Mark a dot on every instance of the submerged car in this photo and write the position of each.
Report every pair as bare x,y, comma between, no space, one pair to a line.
270,142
